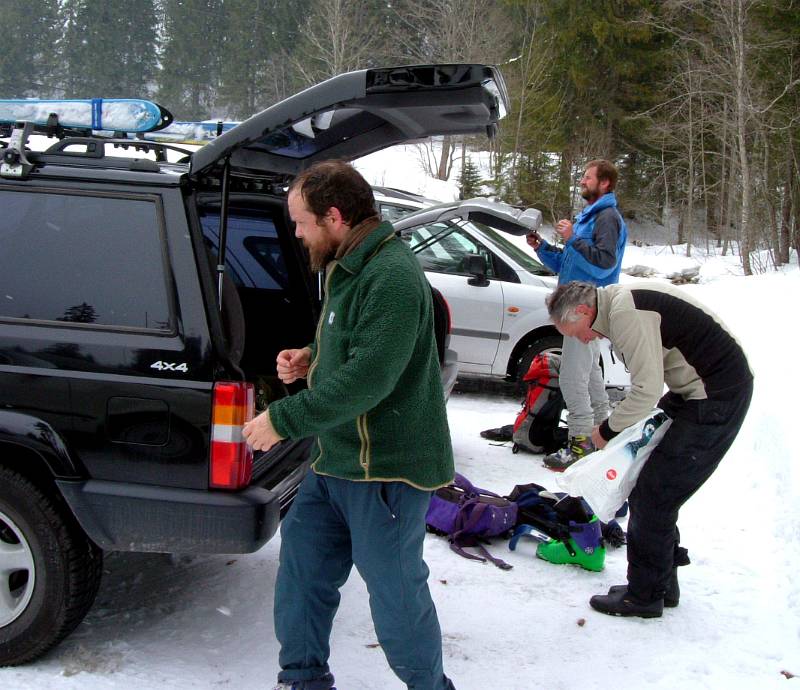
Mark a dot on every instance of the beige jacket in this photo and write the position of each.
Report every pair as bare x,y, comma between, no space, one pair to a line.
666,337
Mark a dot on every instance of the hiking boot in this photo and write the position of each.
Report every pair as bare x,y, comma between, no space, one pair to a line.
672,594
621,603
613,534
324,683
584,547
579,447
501,433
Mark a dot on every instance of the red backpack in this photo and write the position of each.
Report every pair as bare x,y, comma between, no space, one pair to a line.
537,427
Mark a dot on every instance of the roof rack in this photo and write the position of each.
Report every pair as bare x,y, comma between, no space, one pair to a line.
17,160
14,161
88,118
95,147
116,117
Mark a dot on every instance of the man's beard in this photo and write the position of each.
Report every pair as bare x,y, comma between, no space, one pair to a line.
590,195
321,253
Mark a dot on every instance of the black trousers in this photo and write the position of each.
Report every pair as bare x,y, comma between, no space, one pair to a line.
702,431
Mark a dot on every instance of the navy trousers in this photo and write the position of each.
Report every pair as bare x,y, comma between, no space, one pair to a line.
701,433
379,527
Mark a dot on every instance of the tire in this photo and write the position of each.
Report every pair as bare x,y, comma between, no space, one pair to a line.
49,571
547,343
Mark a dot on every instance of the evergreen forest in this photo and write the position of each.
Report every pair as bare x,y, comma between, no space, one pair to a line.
695,100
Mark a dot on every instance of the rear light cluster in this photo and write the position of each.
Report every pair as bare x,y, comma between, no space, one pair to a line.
449,315
231,457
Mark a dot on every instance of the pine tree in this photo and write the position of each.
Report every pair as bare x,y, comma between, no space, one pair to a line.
80,313
469,179
27,58
782,21
255,69
190,57
109,48
606,67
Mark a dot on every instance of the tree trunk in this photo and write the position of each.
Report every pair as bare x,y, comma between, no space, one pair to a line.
795,207
730,204
723,205
443,171
747,245
784,241
563,201
666,211
689,208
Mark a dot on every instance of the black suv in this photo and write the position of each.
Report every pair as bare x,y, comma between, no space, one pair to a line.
129,359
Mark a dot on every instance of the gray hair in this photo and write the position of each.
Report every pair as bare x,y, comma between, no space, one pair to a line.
563,301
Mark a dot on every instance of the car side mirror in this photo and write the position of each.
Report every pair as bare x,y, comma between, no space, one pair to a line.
475,265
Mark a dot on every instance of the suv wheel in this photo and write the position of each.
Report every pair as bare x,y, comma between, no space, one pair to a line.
49,571
547,343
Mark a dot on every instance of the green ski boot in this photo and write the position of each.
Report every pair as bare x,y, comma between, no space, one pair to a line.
584,548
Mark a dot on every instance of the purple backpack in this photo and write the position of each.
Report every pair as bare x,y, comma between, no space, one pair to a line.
468,516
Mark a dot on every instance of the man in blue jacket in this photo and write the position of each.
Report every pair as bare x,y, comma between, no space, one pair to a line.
592,252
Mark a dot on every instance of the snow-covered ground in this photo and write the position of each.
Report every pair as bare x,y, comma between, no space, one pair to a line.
206,622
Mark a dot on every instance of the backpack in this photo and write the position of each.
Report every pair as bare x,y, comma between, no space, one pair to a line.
537,427
573,534
548,512
468,516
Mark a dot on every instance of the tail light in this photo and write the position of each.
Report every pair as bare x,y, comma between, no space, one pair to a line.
449,315
231,458
442,322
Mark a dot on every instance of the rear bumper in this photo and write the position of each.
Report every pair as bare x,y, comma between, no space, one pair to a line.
121,516
135,517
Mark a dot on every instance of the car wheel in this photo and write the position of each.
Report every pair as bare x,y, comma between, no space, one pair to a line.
547,343
49,571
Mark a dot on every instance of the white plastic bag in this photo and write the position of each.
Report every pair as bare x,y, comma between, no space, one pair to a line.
606,477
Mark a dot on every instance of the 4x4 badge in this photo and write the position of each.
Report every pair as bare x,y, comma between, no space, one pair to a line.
170,366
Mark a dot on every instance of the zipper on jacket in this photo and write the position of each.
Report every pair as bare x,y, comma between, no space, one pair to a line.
363,433
313,364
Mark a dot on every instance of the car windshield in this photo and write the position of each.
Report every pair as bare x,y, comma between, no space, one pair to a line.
519,255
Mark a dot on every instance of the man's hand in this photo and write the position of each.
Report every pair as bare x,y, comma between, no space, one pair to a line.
293,364
564,229
534,240
260,434
597,439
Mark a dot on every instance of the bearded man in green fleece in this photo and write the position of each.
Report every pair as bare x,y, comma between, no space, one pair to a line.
375,404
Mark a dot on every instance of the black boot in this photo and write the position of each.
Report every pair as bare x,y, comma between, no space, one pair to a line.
620,603
672,595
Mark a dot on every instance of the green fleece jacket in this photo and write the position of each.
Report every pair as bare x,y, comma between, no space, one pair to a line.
374,398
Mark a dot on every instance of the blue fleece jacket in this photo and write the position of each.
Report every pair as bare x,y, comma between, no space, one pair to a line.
594,252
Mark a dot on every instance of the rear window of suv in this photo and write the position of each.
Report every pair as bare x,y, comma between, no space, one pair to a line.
82,259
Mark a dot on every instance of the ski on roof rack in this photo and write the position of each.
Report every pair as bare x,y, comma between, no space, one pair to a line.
129,115
190,132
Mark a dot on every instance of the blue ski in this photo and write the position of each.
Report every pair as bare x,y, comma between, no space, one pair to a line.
110,114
